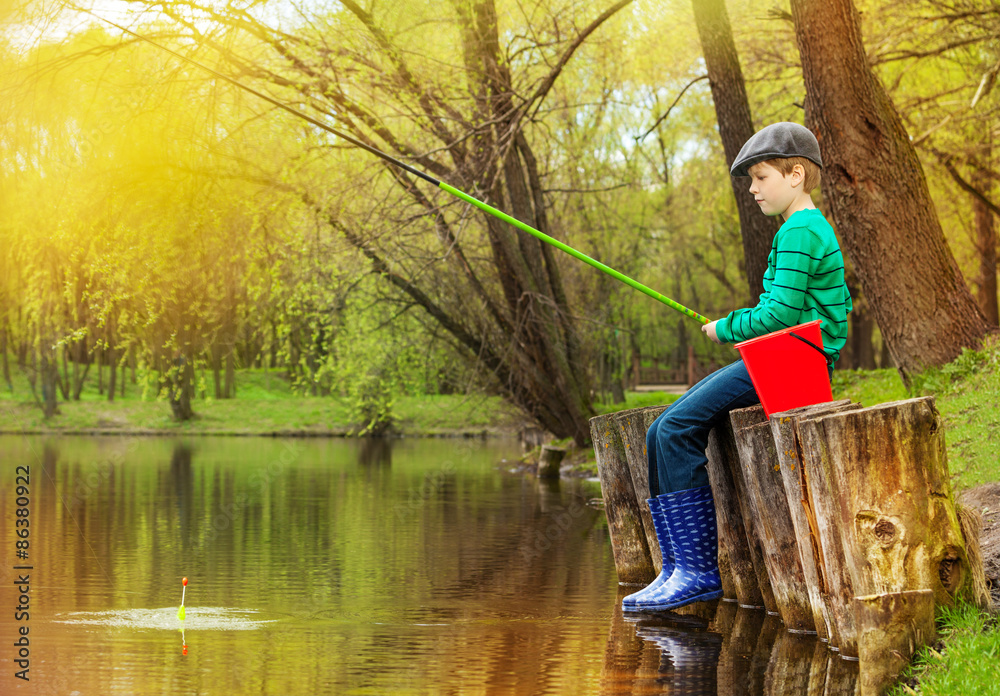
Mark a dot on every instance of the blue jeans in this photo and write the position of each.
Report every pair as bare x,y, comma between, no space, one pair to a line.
676,441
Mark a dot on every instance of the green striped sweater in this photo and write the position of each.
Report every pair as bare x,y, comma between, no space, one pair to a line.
804,281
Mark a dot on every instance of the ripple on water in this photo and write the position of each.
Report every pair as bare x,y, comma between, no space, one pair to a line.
196,618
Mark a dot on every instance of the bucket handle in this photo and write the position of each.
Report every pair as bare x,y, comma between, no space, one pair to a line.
827,358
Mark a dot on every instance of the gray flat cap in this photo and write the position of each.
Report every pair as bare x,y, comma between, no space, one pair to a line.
777,140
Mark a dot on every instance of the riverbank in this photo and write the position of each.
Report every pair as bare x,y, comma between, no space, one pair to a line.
264,405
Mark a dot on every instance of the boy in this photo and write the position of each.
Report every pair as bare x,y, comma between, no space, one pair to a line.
804,281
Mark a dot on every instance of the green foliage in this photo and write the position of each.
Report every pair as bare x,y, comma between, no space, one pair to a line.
970,662
868,387
638,400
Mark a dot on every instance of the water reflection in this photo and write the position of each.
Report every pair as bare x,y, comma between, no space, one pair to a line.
342,566
718,649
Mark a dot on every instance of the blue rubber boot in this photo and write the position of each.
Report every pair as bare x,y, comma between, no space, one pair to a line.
690,517
666,551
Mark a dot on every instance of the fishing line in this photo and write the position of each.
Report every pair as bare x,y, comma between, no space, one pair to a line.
426,177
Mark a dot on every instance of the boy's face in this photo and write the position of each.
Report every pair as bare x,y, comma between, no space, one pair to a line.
774,191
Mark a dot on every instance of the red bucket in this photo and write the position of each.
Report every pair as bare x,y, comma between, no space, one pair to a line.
786,371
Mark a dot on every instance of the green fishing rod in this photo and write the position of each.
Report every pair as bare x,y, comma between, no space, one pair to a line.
426,177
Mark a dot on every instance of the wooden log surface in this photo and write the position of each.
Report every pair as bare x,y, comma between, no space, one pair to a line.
783,431
821,492
633,562
772,519
549,461
737,529
632,425
891,627
893,498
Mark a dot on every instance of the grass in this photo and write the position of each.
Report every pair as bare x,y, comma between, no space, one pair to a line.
969,663
264,404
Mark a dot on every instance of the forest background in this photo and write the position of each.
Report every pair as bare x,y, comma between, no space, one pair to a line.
164,228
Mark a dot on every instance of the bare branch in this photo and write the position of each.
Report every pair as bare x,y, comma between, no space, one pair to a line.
666,113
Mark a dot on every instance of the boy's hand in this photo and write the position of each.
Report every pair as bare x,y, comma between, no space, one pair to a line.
710,330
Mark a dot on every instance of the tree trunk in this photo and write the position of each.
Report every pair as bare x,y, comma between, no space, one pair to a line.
80,378
64,382
50,378
180,384
216,371
229,391
732,111
986,244
112,373
878,196
3,356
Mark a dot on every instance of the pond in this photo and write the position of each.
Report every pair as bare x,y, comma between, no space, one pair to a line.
315,566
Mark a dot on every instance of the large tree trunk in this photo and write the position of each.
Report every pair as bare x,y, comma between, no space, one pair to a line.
878,195
986,243
732,111
180,386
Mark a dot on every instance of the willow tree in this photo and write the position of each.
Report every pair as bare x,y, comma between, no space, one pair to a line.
878,195
462,106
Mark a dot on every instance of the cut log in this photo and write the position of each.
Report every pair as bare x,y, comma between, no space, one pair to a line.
633,425
891,627
893,498
783,430
743,553
838,592
549,461
769,508
633,562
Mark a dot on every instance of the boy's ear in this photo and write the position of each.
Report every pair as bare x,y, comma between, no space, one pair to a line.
798,174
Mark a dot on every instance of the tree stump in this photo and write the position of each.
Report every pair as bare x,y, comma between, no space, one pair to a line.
549,461
769,508
803,519
735,520
892,498
633,425
890,629
628,538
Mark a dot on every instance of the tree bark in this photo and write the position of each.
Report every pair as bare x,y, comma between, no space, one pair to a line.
180,384
112,373
3,356
732,111
878,196
986,244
